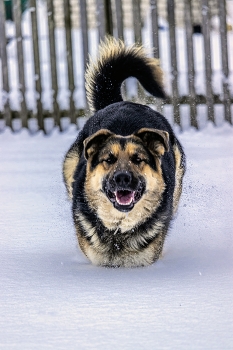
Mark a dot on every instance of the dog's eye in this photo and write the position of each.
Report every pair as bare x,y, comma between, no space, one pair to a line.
110,160
136,159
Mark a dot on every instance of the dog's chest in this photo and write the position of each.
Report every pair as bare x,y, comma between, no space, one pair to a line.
120,251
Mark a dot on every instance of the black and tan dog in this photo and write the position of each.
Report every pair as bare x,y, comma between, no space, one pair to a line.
124,172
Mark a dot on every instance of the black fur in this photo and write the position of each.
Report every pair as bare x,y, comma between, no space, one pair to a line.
118,69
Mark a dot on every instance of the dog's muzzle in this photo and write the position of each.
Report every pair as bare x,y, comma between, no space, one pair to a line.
123,189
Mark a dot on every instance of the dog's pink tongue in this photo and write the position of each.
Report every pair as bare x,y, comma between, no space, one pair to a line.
124,197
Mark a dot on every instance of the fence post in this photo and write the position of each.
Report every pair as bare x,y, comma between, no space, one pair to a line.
137,26
207,51
4,65
108,16
84,28
69,56
155,40
191,73
53,62
224,56
37,77
174,72
20,59
155,27
104,18
119,19
101,19
137,21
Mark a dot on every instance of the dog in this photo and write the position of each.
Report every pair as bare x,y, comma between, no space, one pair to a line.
124,171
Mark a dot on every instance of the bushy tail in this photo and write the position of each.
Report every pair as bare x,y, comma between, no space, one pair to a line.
115,63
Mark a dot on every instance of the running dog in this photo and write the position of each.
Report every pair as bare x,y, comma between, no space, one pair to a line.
124,171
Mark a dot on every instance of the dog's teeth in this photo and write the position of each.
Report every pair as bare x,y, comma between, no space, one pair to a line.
124,197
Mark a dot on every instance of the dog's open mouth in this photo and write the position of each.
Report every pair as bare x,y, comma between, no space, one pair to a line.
124,200
124,197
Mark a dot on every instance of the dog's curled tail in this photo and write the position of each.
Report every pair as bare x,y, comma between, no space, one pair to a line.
115,63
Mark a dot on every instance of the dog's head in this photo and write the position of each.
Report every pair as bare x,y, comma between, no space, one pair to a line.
124,171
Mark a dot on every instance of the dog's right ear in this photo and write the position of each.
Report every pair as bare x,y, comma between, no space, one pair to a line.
95,141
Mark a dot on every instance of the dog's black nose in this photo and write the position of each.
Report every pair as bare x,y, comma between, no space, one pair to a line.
122,179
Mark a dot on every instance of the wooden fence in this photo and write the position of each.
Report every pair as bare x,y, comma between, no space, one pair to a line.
50,86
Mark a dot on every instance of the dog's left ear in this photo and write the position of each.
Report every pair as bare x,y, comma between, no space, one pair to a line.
95,141
157,141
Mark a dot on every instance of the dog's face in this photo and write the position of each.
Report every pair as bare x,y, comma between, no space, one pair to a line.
124,171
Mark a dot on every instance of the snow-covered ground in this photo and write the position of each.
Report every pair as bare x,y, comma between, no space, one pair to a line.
51,297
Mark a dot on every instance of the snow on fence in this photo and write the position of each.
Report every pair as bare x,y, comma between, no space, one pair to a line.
43,64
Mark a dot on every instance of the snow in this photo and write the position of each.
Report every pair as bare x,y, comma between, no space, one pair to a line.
53,298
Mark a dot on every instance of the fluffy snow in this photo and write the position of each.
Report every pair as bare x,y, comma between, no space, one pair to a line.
51,297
